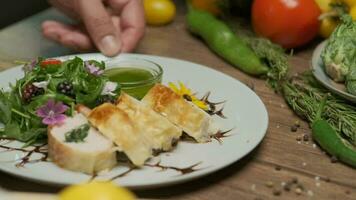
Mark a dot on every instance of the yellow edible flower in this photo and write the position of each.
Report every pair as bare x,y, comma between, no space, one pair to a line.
186,93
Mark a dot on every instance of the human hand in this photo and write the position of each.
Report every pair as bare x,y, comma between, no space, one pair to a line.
112,26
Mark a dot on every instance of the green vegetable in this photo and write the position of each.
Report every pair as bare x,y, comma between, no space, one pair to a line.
339,54
77,135
329,140
224,42
332,119
304,95
273,56
351,80
18,114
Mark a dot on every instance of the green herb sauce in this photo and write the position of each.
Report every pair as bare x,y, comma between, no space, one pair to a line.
133,81
77,135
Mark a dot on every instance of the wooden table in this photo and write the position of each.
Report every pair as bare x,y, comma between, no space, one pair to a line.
260,175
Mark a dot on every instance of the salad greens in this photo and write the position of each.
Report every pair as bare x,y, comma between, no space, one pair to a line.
70,82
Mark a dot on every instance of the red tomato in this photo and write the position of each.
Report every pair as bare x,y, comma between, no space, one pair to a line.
290,23
48,62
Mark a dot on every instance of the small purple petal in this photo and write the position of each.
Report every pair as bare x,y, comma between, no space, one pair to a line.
50,104
59,108
53,120
30,65
52,112
42,111
60,118
99,72
92,69
49,121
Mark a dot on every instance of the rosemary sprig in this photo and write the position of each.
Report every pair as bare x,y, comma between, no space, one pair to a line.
304,94
273,55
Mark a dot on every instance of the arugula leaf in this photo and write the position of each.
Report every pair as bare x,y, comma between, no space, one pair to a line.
5,108
13,130
34,135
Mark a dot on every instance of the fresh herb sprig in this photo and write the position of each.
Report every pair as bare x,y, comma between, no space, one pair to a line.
304,94
273,55
77,135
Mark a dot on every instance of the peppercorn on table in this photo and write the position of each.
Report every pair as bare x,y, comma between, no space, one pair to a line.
286,165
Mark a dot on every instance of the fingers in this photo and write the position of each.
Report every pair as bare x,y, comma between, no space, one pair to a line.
100,26
66,35
68,7
117,5
132,22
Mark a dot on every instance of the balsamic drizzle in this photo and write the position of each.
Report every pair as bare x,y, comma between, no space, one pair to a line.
221,134
183,171
123,174
92,178
212,106
29,152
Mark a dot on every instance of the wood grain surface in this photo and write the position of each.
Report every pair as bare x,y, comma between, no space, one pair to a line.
278,160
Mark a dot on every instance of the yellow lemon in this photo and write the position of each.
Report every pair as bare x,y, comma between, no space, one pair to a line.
96,191
159,12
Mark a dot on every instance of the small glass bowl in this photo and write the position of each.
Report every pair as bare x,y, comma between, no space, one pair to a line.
129,66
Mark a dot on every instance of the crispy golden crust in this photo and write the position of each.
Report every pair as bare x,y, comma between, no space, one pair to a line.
104,112
83,110
162,96
116,125
158,130
194,121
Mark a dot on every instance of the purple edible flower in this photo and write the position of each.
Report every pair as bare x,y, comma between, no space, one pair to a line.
52,112
109,88
92,69
30,65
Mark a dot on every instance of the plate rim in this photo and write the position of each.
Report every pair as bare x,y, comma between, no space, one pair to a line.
180,179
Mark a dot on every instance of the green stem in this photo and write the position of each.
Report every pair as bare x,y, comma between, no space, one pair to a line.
20,62
20,113
321,108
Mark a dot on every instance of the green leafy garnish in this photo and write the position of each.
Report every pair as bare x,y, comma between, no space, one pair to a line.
77,135
71,82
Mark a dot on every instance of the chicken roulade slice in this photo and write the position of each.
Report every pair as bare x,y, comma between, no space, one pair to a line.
159,131
194,121
116,125
89,153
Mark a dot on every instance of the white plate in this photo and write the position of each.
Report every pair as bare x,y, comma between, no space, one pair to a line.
323,78
243,108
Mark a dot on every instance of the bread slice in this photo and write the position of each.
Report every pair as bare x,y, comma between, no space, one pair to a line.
159,131
116,125
93,155
193,120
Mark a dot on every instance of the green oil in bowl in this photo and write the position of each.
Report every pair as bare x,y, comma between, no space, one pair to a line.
134,81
